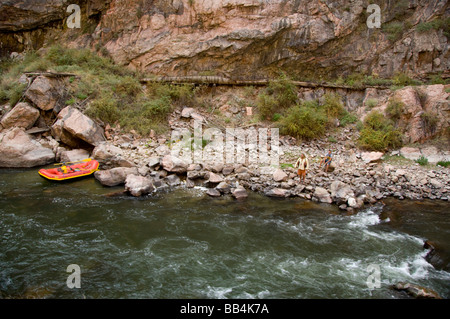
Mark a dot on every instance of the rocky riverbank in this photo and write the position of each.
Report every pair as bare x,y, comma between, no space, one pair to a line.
41,129
355,178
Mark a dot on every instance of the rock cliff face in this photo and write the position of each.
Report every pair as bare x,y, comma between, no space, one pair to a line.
241,38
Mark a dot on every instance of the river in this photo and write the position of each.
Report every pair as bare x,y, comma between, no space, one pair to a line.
184,244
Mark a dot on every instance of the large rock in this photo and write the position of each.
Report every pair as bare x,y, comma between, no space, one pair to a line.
277,192
280,176
115,176
411,153
239,193
18,149
44,92
22,115
223,187
74,155
416,291
322,195
214,178
174,164
138,185
110,156
213,192
340,192
369,157
71,123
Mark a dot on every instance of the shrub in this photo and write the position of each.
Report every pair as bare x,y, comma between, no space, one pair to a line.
280,94
371,103
395,109
348,118
332,106
267,105
443,163
429,122
393,29
435,24
402,79
422,160
378,133
104,108
303,122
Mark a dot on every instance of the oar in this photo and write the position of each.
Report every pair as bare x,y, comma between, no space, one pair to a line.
85,160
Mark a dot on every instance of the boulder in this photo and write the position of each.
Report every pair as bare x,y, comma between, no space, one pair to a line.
44,92
411,153
172,180
110,156
340,192
74,155
223,187
138,185
239,193
352,202
227,170
174,164
322,195
416,291
214,178
196,174
187,111
22,115
71,123
213,192
280,176
19,149
114,176
277,192
369,157
153,161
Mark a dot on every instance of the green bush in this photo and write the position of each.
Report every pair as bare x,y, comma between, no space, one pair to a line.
443,163
436,24
393,29
333,106
422,160
371,103
303,122
402,79
395,109
378,133
348,118
280,94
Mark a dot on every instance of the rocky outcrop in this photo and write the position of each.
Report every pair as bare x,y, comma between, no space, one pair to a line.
416,291
109,156
22,115
74,155
182,37
138,185
19,149
72,126
115,176
45,93
174,164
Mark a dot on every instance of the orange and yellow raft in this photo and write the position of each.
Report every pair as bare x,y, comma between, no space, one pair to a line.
65,172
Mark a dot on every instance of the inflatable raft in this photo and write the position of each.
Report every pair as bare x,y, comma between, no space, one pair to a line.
65,172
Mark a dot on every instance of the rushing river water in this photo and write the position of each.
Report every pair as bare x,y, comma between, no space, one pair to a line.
183,244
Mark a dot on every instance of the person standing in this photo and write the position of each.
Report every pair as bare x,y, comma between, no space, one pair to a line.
326,161
302,164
